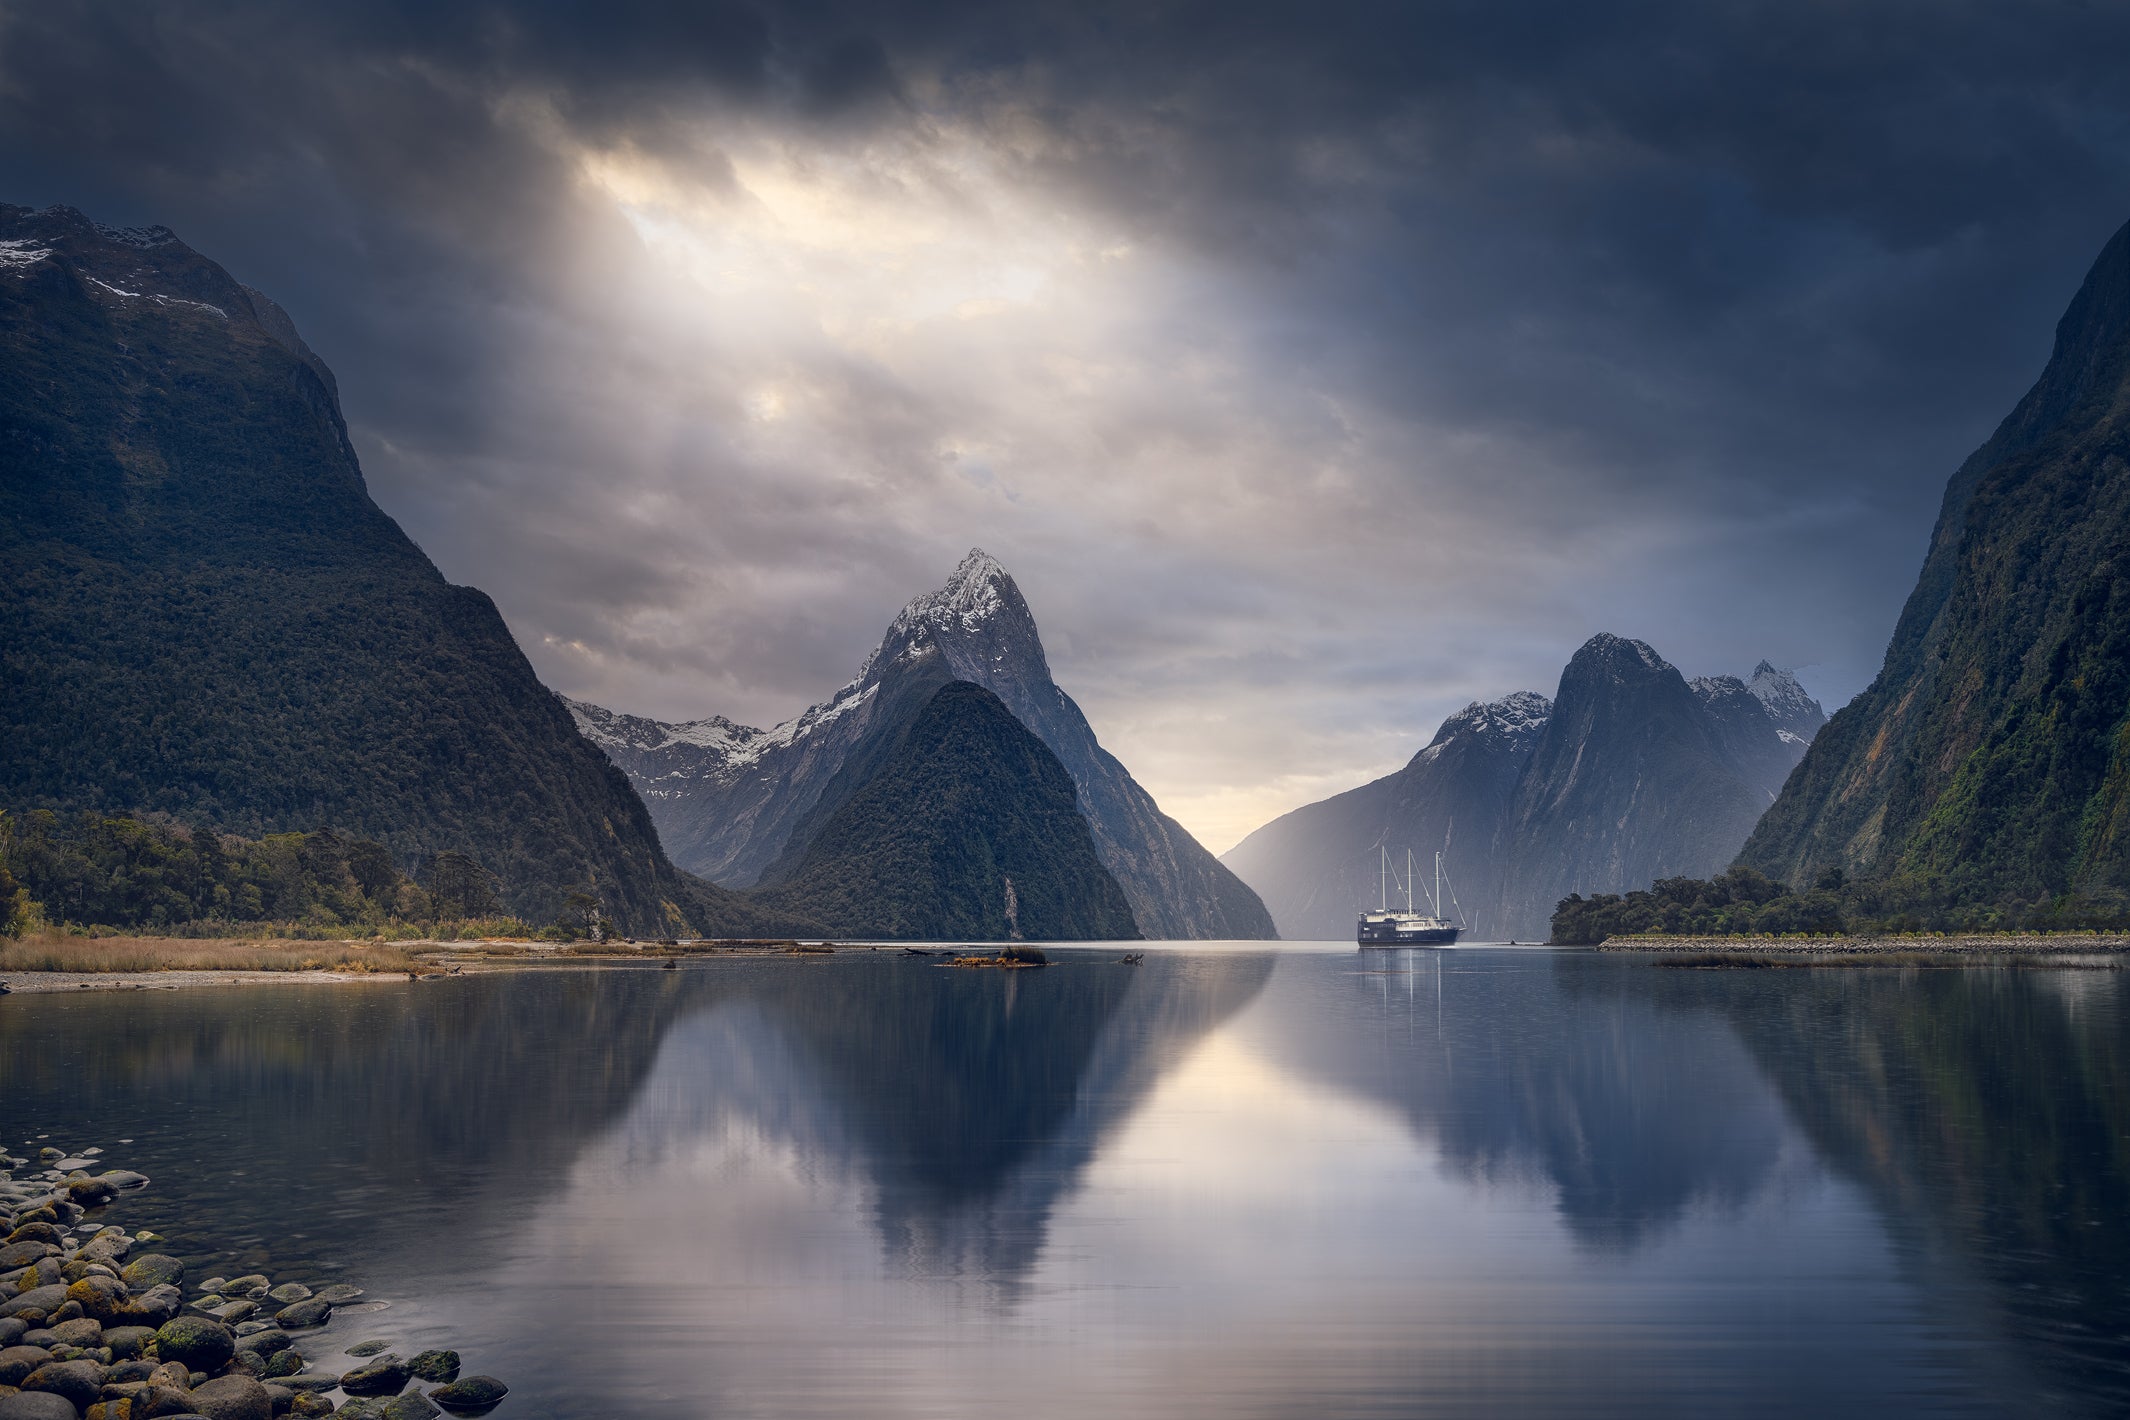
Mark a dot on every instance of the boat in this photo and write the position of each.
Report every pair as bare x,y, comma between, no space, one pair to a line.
1387,928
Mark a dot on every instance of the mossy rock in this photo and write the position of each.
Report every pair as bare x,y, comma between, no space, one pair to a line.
196,1343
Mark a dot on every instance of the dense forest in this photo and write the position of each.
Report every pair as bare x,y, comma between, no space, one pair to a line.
1746,902
93,871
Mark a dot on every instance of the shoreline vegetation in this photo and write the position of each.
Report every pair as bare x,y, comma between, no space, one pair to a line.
2029,950
72,962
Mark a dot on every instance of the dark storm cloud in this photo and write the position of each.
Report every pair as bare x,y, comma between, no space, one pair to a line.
1509,323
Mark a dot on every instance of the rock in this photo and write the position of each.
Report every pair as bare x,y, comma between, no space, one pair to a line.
282,1363
435,1366
213,1284
289,1292
267,1342
43,1300
367,1348
87,1192
22,1254
109,1246
309,1403
100,1297
252,1328
311,1312
16,1362
160,1401
172,1374
79,1381
126,1372
36,1405
123,1178
127,1342
339,1294
152,1269
68,1310
152,1307
381,1377
411,1406
112,1407
195,1343
243,1286
11,1331
311,1381
87,1333
230,1313
471,1394
233,1398
362,1410
280,1397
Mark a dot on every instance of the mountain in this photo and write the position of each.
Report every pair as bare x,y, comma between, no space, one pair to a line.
1990,759
207,617
969,828
739,805
1315,867
1638,775
1629,774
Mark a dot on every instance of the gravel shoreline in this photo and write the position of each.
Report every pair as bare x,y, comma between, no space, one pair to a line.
95,1324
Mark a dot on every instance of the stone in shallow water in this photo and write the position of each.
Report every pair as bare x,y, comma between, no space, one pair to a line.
313,1381
308,1404
152,1269
474,1393
384,1376
411,1406
282,1363
267,1341
339,1294
367,1348
435,1366
312,1312
289,1292
243,1286
230,1313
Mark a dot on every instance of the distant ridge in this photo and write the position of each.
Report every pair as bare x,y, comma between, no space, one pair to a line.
740,804
1628,774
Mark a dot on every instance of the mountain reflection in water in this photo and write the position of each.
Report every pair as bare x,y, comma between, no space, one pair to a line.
1223,1182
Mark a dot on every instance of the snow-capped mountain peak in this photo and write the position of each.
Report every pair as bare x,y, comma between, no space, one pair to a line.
1794,711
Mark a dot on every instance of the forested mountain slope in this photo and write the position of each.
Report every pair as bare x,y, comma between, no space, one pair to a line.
1989,762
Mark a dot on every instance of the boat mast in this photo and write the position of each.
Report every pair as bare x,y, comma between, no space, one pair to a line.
1438,883
1408,882
1383,879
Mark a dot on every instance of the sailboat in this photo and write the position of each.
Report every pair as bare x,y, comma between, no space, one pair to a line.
1410,928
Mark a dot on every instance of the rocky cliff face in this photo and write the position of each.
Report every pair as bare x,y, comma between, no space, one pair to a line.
1318,866
205,615
739,804
1991,757
1629,774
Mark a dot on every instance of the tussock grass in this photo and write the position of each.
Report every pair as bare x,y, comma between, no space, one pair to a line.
140,954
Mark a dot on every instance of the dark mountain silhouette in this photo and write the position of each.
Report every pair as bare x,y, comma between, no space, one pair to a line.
969,828
207,617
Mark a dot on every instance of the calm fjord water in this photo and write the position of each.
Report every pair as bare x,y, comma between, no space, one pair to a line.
1227,1182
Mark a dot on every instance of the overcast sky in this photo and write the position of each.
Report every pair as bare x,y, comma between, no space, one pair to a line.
1315,368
